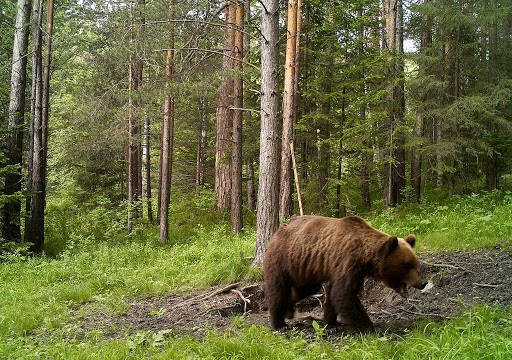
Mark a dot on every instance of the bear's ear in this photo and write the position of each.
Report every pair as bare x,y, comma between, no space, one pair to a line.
389,246
411,239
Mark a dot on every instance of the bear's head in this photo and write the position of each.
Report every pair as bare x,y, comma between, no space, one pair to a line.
399,266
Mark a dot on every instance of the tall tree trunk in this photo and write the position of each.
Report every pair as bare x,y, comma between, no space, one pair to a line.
35,109
399,100
201,145
236,159
146,155
394,167
268,189
167,136
159,196
140,66
296,73
419,127
251,193
12,185
285,193
225,120
339,212
249,166
38,202
247,18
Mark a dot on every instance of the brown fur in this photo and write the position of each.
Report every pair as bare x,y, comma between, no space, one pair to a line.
311,250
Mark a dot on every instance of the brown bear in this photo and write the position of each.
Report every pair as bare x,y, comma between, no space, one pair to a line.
311,250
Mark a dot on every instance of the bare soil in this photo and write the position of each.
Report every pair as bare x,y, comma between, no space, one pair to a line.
458,280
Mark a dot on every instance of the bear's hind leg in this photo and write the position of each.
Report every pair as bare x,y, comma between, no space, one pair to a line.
329,311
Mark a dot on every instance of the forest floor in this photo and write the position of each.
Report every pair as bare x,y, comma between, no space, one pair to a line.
458,280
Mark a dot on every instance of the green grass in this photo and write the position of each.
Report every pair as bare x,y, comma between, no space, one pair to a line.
459,222
482,333
94,262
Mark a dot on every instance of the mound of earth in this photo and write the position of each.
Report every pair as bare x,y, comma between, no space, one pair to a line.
458,280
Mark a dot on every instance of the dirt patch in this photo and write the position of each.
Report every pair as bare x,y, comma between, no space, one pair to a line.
458,281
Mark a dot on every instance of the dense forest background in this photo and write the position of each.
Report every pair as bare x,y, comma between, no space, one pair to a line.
146,158
389,101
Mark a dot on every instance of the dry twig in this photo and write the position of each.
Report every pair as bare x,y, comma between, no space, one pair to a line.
202,297
244,299
485,285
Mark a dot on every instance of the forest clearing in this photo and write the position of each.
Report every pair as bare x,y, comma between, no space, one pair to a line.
114,298
460,280
157,156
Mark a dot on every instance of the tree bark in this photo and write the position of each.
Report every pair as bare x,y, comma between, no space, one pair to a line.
399,169
133,174
268,190
394,166
35,109
11,210
225,120
247,18
146,154
139,123
167,136
201,146
419,127
251,193
236,159
285,193
38,201
297,63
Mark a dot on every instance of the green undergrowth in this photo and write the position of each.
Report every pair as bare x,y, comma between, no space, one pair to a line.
90,259
483,333
457,222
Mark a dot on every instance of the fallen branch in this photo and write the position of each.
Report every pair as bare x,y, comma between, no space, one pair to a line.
447,266
245,288
223,290
244,299
441,265
486,285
